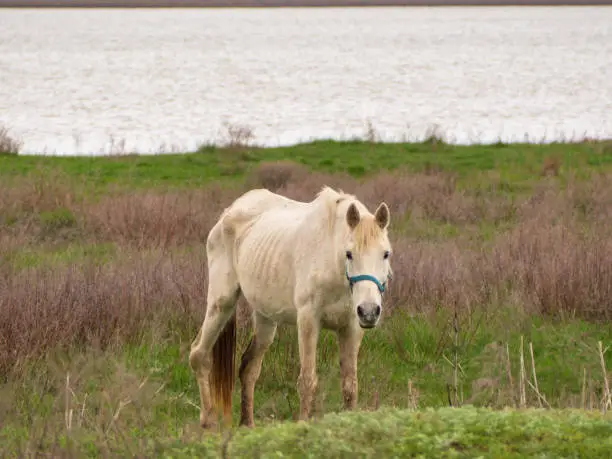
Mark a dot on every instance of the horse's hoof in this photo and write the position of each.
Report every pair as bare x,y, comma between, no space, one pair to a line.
207,422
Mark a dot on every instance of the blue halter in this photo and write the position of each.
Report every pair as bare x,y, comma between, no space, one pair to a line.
363,277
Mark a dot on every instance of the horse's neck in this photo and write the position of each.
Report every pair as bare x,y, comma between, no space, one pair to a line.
334,244
324,243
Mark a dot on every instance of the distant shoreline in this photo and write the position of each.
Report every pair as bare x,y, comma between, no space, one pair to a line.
284,3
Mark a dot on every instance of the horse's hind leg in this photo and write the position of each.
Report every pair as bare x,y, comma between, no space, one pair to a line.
223,291
250,367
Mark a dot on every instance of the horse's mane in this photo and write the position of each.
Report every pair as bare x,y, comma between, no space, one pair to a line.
331,196
331,199
365,233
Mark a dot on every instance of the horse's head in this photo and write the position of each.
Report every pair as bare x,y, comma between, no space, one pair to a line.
367,253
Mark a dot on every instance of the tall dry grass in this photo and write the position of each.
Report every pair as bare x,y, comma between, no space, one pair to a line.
555,258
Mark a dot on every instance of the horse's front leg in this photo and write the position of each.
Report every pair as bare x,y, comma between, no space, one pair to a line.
349,340
308,327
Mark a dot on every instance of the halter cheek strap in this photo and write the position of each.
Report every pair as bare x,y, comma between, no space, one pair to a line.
363,277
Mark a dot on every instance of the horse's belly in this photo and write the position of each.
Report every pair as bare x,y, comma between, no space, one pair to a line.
282,314
333,316
270,303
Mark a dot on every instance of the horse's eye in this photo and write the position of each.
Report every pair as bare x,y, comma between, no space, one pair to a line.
349,255
386,255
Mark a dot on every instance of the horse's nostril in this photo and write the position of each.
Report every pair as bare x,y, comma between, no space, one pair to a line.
359,311
377,310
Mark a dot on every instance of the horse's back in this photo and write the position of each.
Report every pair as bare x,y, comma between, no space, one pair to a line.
242,213
248,208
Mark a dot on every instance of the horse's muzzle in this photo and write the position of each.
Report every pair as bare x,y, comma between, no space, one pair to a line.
368,314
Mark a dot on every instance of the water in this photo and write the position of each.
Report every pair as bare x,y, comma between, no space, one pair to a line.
71,81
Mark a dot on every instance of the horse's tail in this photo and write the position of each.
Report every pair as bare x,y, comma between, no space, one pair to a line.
223,365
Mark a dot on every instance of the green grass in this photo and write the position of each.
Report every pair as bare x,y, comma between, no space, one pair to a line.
514,162
58,255
444,432
416,349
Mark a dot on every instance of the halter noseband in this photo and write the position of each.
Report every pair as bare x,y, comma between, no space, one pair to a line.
363,277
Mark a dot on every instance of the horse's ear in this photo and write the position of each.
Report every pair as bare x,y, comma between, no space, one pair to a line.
382,215
352,216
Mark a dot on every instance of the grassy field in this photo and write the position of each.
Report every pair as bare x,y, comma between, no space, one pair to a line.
501,301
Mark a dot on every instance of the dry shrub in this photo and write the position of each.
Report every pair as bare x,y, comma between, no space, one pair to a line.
306,190
95,305
8,144
40,192
238,136
545,203
148,219
408,193
551,165
432,196
11,241
550,269
591,198
587,200
277,175
557,269
428,276
39,207
87,304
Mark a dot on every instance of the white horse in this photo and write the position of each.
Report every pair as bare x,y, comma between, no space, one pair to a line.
323,263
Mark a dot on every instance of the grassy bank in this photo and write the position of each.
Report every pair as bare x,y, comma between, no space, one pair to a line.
446,432
501,298
358,159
